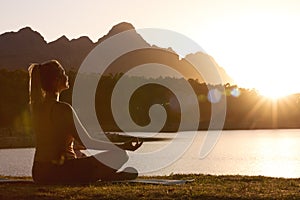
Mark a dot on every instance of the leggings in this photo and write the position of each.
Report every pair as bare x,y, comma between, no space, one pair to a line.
80,170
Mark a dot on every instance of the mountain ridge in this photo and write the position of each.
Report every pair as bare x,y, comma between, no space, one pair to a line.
19,49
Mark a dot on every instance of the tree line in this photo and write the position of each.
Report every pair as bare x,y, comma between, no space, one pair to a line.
246,108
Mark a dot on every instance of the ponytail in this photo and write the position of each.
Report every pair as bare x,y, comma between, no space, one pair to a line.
36,93
43,78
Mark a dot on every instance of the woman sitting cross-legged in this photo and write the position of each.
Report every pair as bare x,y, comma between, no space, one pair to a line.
55,124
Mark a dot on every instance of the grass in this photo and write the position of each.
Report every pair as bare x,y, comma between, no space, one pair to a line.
204,187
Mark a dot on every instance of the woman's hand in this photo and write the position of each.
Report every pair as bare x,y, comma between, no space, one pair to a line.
78,146
131,145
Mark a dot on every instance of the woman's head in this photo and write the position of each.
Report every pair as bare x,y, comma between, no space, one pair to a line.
48,77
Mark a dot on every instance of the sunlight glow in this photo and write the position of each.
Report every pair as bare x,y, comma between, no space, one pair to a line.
256,43
274,93
261,51
279,156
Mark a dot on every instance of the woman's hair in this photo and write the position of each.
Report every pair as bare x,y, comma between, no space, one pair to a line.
43,78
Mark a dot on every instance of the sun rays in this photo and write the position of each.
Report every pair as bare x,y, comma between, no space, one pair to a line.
273,110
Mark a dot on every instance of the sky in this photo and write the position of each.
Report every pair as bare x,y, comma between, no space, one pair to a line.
257,42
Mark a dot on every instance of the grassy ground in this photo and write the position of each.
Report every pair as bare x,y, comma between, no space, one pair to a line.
204,187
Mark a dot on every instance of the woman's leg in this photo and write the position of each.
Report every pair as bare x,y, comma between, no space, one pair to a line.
102,166
114,160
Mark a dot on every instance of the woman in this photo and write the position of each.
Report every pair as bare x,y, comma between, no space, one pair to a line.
54,122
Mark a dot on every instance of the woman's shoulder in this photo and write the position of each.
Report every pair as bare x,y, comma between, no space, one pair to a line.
62,107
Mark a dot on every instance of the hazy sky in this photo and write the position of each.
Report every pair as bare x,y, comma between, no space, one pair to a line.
257,42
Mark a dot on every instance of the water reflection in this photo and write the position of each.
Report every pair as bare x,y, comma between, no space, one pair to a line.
273,153
253,152
279,154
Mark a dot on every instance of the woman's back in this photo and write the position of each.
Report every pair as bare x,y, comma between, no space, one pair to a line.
53,142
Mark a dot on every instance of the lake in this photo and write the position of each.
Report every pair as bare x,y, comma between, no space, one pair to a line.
274,153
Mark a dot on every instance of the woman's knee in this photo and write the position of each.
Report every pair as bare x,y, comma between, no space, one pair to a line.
124,156
114,159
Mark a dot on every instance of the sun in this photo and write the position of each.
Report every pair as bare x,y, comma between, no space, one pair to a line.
274,93
259,50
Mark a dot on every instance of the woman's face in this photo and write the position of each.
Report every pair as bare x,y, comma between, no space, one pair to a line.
63,82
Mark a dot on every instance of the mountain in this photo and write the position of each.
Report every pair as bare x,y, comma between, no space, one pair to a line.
205,63
19,49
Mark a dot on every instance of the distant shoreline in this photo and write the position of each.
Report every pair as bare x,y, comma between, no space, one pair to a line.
28,141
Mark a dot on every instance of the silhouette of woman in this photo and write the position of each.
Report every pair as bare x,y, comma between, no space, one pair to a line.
55,123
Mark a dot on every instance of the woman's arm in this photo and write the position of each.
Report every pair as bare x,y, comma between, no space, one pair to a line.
70,123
